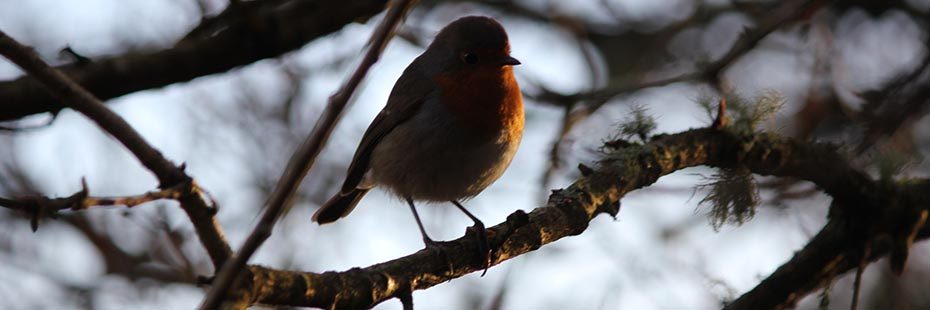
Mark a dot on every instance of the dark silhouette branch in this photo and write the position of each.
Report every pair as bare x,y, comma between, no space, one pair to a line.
304,158
747,41
78,98
624,168
163,260
900,102
39,206
271,28
834,250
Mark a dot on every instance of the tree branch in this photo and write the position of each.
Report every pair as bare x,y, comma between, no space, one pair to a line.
747,41
568,212
833,251
78,98
40,206
270,32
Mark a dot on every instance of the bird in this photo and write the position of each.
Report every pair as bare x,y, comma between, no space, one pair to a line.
451,126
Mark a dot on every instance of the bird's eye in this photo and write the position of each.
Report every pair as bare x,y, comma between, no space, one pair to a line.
469,58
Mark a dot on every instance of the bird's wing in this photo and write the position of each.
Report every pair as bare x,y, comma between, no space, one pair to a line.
408,94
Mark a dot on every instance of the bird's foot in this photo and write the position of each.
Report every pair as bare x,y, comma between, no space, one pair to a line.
436,249
484,246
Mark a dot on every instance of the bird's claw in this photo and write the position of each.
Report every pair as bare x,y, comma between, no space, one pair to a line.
484,246
437,250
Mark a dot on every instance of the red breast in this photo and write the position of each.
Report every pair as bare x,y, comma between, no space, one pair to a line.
487,99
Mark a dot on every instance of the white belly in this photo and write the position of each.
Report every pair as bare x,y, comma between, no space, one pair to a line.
430,157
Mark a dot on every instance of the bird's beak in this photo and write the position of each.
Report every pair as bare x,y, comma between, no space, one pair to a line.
509,61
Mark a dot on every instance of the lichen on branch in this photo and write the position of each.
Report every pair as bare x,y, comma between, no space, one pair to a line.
732,195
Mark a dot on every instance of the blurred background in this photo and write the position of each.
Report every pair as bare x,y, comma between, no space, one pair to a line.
852,72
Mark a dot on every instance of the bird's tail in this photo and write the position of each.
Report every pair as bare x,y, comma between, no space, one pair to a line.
339,206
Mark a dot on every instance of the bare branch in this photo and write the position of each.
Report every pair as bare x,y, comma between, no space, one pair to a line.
789,11
39,206
834,250
904,99
78,98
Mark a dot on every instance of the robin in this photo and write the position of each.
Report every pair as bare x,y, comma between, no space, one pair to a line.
451,126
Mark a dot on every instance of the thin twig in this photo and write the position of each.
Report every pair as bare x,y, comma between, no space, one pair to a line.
304,158
131,201
555,160
41,206
168,174
887,110
745,43
596,77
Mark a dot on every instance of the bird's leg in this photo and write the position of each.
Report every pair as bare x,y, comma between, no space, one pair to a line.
484,247
431,245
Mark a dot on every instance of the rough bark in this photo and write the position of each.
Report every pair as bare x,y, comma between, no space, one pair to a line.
622,170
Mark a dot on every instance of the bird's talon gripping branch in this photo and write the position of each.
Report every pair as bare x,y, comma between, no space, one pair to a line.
481,233
484,246
436,249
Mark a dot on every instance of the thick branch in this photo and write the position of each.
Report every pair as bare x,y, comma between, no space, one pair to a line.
569,211
270,32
